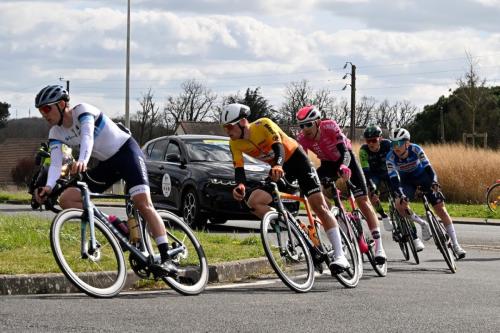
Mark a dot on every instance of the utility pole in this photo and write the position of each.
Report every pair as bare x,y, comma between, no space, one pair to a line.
441,116
67,83
127,71
353,98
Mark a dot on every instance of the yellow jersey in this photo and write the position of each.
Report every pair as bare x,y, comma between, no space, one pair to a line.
263,134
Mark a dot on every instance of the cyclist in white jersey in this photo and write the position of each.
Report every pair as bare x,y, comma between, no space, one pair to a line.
119,156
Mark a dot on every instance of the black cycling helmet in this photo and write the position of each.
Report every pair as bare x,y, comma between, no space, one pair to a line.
50,95
372,131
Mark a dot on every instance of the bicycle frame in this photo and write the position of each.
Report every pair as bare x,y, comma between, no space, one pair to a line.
90,211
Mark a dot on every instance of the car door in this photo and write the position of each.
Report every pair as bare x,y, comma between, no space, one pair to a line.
174,175
155,164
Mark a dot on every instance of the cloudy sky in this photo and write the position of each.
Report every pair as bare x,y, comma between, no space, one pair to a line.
403,49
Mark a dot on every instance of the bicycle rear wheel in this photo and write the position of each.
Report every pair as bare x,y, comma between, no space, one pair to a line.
493,197
192,276
442,241
350,277
287,252
100,274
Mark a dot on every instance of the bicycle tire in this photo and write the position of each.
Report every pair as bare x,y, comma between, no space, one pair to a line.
398,236
293,264
192,277
493,197
381,270
442,241
102,274
350,277
409,238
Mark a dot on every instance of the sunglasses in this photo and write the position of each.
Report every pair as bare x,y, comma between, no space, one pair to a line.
306,125
228,126
372,140
398,143
46,108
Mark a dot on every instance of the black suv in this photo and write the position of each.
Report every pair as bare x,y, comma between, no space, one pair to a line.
193,175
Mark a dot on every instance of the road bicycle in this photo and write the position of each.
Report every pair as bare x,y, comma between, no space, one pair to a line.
439,234
354,219
295,249
493,196
404,231
89,249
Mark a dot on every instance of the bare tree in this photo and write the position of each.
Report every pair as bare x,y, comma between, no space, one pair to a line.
406,112
147,118
471,92
365,111
194,103
340,112
297,94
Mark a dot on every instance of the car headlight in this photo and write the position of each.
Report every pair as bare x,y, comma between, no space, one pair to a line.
223,182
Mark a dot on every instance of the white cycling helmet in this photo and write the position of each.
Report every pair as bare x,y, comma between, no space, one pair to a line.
399,134
232,113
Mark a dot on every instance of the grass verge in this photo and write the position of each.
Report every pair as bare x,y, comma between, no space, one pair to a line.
25,246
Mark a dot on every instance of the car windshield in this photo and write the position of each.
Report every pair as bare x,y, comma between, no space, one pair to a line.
213,150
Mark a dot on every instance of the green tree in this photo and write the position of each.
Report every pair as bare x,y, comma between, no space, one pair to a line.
4,113
258,104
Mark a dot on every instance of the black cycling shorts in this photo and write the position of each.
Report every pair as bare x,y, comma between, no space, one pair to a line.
127,163
299,167
330,169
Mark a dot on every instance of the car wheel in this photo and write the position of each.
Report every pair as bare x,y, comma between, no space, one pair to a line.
191,210
218,220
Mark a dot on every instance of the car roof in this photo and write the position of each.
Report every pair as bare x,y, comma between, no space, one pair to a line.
188,137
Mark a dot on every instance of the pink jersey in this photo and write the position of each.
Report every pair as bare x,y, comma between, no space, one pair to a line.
326,148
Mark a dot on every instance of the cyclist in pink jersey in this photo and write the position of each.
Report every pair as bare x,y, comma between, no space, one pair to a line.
334,150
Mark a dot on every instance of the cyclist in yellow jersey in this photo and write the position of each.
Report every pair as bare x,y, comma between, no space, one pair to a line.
264,140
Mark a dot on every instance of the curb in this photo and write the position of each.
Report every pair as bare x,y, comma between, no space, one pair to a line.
57,283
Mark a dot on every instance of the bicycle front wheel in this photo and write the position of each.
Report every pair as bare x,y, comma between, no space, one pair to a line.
99,274
349,278
287,252
192,276
442,241
493,197
407,232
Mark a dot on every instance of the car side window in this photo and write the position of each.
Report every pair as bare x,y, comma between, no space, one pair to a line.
158,150
173,148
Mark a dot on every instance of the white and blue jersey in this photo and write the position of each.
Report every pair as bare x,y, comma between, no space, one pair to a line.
98,136
406,174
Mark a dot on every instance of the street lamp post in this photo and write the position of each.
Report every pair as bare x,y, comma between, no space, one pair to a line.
67,83
127,70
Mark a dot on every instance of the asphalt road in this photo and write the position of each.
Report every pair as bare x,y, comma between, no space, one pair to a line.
423,297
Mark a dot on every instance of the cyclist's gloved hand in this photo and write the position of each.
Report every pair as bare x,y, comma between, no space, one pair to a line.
42,193
435,187
239,192
78,166
277,172
344,172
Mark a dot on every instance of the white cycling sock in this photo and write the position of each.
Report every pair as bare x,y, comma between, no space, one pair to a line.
376,237
450,229
418,219
161,240
334,237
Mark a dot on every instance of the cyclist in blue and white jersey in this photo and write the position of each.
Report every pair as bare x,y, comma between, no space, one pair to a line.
119,156
409,167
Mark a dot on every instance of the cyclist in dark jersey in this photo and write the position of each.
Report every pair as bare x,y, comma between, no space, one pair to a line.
372,156
409,167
